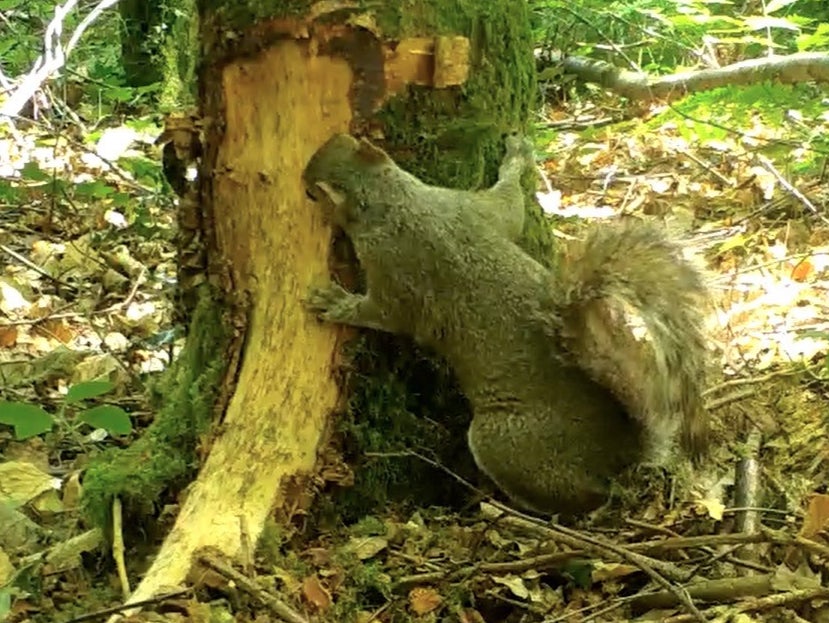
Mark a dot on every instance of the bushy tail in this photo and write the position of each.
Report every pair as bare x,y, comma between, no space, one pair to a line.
626,274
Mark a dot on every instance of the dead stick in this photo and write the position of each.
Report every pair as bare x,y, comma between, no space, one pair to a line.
276,605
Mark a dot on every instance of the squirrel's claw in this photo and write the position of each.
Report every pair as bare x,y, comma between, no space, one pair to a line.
323,299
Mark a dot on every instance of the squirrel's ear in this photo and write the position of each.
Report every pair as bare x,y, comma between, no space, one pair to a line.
371,153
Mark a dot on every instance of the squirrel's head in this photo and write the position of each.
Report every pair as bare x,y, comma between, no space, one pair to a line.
344,174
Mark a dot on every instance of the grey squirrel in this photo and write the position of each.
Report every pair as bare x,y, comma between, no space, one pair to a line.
563,396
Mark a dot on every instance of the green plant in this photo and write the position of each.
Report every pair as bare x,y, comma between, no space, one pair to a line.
661,35
30,420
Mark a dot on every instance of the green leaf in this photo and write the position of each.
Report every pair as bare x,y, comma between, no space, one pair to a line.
9,193
6,44
122,199
112,419
142,168
27,420
736,241
87,389
765,21
814,41
120,94
145,124
580,571
5,603
32,172
95,190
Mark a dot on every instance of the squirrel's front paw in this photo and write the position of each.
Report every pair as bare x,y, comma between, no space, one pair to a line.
333,303
324,300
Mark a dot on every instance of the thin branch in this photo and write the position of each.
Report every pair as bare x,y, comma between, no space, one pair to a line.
102,6
768,166
53,57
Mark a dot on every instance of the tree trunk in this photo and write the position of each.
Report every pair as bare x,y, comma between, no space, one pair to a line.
140,19
436,83
159,45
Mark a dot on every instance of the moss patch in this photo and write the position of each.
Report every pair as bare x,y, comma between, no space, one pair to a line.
165,454
180,56
401,400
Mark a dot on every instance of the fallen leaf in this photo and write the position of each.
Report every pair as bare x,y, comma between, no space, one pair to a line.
714,507
801,578
11,300
47,503
6,568
8,336
315,593
424,600
72,491
21,482
612,570
514,584
803,270
318,556
817,516
366,547
59,329
470,615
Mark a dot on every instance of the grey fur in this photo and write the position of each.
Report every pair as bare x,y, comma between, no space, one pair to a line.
563,397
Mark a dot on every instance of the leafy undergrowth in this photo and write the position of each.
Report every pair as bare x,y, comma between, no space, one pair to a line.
85,293
86,231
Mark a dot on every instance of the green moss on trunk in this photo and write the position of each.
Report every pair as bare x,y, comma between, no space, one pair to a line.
164,457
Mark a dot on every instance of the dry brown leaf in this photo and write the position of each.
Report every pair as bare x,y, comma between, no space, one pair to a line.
610,571
315,593
514,583
58,329
8,336
72,491
470,615
803,270
817,516
97,367
424,600
318,556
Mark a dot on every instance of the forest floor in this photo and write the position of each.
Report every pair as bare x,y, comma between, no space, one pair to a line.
87,299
